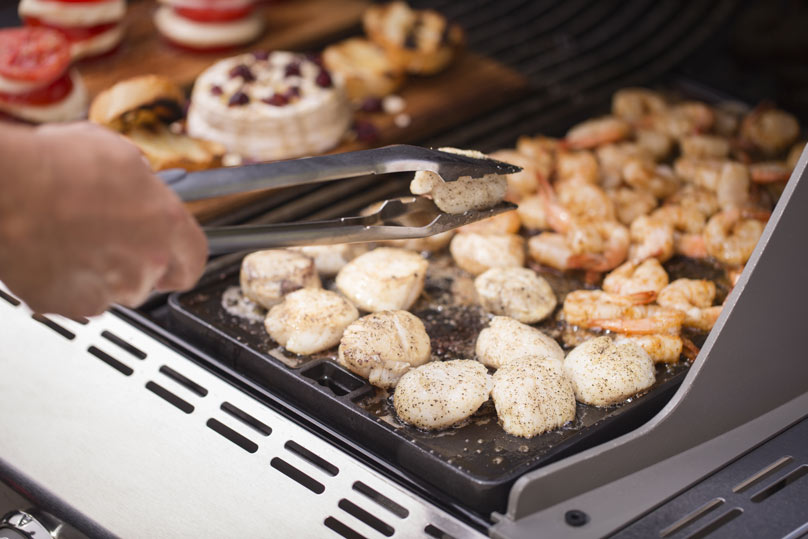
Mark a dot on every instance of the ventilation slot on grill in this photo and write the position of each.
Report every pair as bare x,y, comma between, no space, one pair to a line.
360,514
293,473
727,517
184,381
9,298
111,361
64,332
757,477
329,375
307,455
246,418
381,499
242,441
781,483
169,397
799,533
692,517
342,529
122,344
434,531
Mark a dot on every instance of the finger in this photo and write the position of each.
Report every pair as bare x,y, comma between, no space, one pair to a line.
190,251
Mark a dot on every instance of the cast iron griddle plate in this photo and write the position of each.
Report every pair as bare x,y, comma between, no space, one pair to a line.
474,463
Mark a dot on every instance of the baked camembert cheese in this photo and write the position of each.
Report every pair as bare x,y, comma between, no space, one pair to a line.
267,106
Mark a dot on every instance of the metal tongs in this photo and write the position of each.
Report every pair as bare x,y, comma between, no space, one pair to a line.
403,218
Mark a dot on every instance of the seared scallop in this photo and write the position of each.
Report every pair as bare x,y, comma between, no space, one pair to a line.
477,253
310,320
604,373
329,259
506,340
384,279
441,393
516,292
532,396
267,276
465,193
383,346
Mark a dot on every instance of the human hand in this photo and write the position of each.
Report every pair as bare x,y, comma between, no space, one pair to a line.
85,223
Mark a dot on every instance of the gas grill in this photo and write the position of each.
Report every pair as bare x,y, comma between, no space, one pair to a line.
148,423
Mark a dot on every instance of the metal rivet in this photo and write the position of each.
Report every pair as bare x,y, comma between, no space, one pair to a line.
576,518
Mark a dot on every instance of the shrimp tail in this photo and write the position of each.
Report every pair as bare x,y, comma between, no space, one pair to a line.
689,349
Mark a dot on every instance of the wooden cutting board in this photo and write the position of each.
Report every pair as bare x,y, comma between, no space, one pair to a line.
290,24
472,85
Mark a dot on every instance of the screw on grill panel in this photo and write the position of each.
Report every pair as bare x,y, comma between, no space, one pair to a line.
169,397
9,298
111,361
226,432
64,332
381,499
308,456
342,529
246,418
781,483
433,531
293,473
183,381
124,345
730,515
758,476
576,518
692,516
371,520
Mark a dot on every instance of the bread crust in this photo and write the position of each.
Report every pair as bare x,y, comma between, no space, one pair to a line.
154,92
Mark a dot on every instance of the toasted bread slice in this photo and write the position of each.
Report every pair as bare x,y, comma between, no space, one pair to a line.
366,68
165,149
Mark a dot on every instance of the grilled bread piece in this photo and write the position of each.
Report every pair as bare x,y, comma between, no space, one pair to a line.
141,108
366,68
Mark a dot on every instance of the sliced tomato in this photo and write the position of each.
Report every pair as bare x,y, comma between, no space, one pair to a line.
212,13
80,1
72,33
52,93
33,54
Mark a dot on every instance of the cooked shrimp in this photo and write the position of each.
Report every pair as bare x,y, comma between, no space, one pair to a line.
632,278
731,235
532,214
604,373
630,203
770,171
310,320
577,166
477,253
532,396
697,197
728,179
661,348
267,276
582,306
516,292
691,245
770,130
659,180
503,223
596,132
598,246
650,238
612,158
585,201
550,249
522,183
383,346
632,104
728,118
682,119
643,320
693,297
506,340
688,223
704,147
657,144
541,151
383,279
441,393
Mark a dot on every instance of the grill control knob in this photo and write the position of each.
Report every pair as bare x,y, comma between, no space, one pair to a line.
29,524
